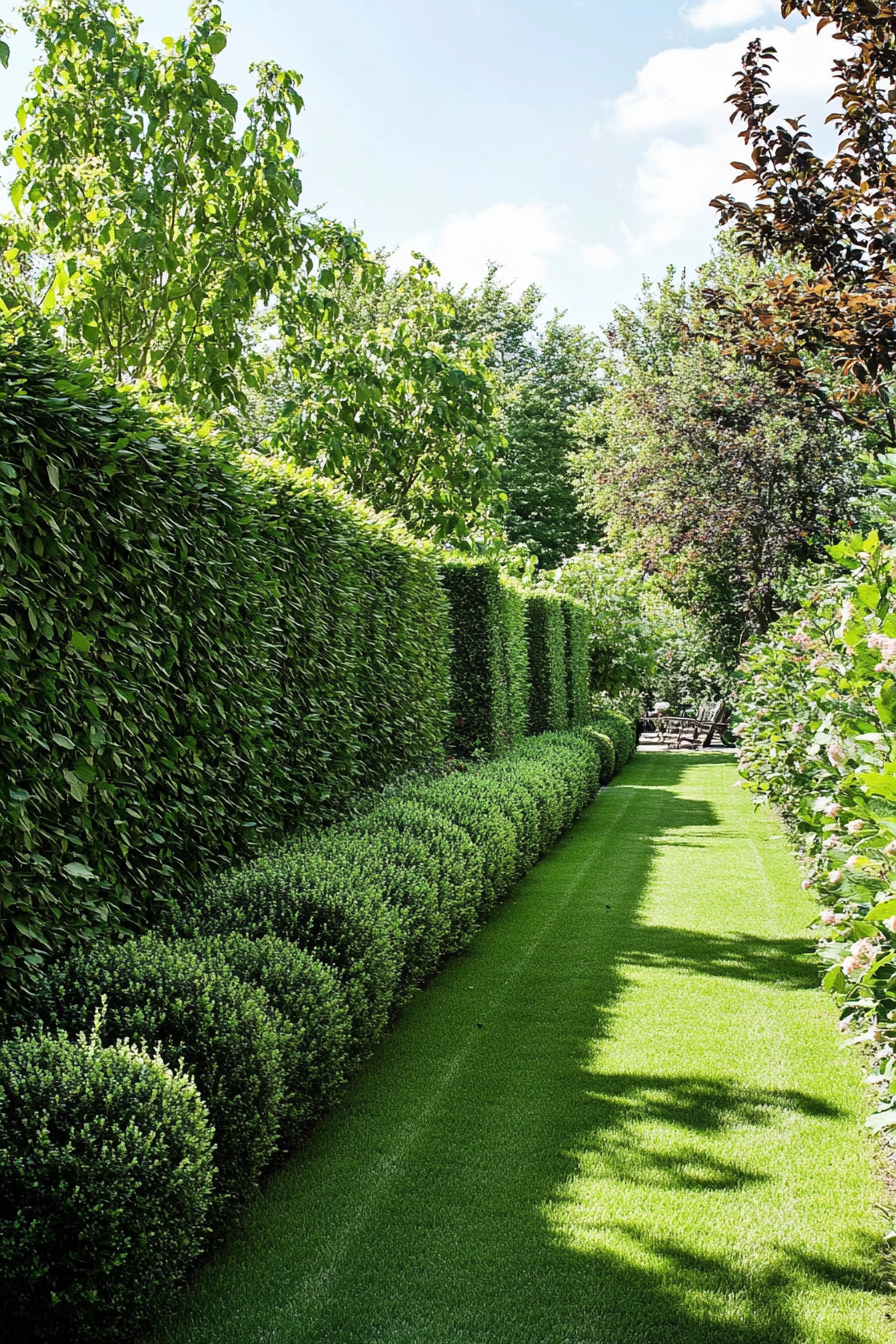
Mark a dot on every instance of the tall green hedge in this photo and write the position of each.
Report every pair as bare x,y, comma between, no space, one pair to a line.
577,631
489,659
473,590
515,663
199,651
546,639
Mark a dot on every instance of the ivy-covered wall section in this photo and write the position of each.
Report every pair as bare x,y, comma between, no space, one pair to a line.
198,653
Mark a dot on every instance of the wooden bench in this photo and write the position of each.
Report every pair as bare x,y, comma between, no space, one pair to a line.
696,730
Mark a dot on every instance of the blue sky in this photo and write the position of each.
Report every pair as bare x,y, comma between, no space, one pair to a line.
575,141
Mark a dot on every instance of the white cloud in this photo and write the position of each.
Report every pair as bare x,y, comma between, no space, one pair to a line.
600,256
687,86
683,90
520,237
727,13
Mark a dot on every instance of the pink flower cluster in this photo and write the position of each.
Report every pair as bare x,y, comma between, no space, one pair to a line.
861,955
837,754
830,917
887,649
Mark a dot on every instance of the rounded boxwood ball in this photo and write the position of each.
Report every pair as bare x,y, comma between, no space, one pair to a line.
106,1164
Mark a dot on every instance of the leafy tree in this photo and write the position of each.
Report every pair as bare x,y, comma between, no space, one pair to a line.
621,643
545,374
561,382
824,323
148,228
389,398
718,481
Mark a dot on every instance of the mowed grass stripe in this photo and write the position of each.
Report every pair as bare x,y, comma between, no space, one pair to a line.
652,1135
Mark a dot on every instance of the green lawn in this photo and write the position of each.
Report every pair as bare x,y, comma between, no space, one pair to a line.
624,1115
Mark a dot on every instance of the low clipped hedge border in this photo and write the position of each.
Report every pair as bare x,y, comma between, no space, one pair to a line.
272,982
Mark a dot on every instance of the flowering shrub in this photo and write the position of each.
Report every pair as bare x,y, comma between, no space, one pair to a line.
818,740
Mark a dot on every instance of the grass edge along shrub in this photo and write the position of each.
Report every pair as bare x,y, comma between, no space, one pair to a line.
546,641
201,651
106,1164
260,922
817,741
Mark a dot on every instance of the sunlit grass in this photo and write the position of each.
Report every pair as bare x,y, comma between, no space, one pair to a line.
599,1126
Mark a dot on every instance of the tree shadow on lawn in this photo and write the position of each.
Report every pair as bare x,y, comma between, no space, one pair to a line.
429,1207
788,962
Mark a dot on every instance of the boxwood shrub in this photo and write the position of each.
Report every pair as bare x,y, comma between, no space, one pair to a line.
605,749
106,1168
326,905
447,855
165,994
201,651
308,1007
620,731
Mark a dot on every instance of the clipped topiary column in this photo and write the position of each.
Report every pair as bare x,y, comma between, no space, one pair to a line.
546,638
576,623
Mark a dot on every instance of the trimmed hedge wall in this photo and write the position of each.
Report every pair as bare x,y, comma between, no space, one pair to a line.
546,639
515,666
473,590
199,653
489,659
577,629
294,966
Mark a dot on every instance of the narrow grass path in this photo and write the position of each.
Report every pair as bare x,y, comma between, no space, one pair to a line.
623,1117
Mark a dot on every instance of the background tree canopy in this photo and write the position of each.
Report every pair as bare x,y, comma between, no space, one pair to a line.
146,226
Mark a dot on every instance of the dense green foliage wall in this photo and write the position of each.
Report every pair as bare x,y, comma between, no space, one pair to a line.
197,652
489,658
515,662
577,634
474,600
546,638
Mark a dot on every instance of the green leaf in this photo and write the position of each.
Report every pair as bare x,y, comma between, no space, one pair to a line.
217,42
835,982
881,1120
868,594
62,741
81,643
879,785
77,787
4,54
886,910
80,870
